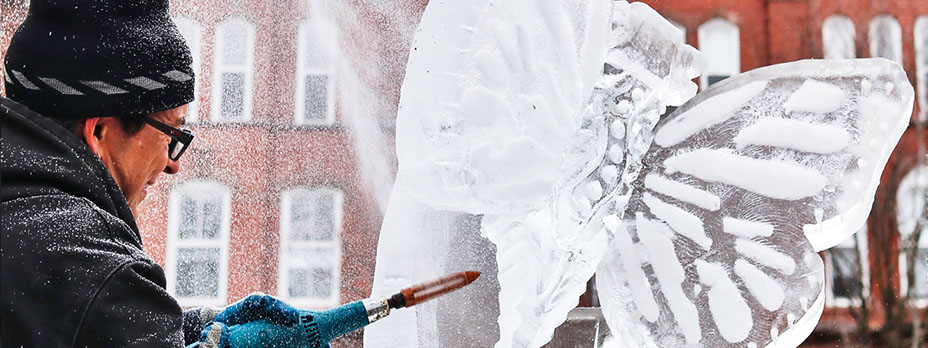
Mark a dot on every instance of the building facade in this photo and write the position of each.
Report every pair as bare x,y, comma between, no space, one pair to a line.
272,197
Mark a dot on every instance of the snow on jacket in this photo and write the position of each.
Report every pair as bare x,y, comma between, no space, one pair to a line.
73,272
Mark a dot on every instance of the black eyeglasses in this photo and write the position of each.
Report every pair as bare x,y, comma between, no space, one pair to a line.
180,137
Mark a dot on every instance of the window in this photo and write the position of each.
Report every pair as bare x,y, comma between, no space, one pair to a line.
719,42
314,94
232,78
886,38
846,274
910,213
191,30
310,247
921,64
198,239
839,37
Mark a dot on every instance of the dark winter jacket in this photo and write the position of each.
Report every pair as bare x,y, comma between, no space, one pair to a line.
73,272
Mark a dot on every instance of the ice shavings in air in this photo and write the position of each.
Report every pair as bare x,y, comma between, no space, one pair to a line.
760,282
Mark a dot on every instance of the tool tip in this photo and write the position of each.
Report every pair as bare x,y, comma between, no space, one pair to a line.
471,275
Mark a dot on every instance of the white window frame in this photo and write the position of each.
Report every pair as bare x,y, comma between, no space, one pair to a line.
839,28
895,31
731,51
193,35
247,69
324,33
921,65
913,182
283,273
860,238
198,187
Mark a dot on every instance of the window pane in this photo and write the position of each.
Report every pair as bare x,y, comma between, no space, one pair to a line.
886,38
719,42
188,229
314,51
234,43
312,217
844,279
200,215
322,282
316,98
198,272
838,37
301,217
324,219
299,283
212,216
311,272
233,95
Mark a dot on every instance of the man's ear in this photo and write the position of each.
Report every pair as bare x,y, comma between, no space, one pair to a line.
93,132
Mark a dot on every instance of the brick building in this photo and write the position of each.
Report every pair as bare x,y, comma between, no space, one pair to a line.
272,197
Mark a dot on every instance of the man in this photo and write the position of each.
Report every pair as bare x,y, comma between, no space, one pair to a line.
97,92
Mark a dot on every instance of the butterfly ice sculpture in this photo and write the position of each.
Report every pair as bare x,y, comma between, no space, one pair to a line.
539,116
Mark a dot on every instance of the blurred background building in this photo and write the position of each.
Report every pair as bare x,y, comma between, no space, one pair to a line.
294,124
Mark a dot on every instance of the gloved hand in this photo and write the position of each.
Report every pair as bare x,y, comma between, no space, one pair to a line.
261,321
253,307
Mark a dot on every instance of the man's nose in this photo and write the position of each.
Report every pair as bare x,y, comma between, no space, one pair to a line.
172,167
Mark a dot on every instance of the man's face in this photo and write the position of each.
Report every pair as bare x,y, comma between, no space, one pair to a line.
136,160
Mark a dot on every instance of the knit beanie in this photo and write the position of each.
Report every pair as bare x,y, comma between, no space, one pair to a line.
95,58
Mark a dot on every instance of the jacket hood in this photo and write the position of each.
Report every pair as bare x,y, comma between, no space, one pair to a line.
42,158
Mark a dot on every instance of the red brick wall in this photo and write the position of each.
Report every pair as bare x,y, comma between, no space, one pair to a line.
748,15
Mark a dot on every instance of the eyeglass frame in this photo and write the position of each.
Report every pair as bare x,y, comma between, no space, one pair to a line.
181,136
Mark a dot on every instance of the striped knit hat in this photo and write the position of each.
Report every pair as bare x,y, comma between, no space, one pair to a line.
94,58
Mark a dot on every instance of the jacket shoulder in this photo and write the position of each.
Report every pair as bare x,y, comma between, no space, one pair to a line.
133,299
60,253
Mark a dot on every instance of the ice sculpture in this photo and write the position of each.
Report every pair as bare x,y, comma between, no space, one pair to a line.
538,116
493,93
498,117
740,189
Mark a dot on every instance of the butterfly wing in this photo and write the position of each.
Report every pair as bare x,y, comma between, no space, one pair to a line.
546,256
740,188
491,99
507,111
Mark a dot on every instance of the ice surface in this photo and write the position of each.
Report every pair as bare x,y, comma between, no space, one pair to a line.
545,256
538,117
492,95
533,115
781,200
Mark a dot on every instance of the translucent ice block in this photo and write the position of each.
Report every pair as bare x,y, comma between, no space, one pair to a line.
741,188
532,114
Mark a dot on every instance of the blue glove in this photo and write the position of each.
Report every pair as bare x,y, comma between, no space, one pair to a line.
252,308
258,306
261,321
